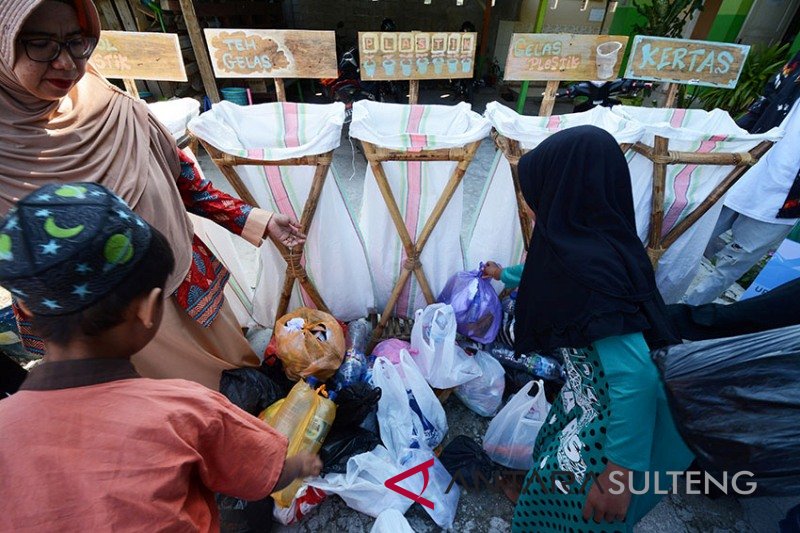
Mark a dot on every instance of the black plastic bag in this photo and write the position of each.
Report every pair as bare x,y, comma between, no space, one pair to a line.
354,404
240,516
466,461
341,445
249,389
736,403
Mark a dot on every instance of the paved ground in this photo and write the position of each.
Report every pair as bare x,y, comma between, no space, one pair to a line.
488,511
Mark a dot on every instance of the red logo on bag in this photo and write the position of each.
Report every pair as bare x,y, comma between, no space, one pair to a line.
391,483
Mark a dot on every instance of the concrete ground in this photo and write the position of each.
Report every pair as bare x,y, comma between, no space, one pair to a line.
487,511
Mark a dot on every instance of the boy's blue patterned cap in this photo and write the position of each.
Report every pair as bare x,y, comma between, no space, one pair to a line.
66,246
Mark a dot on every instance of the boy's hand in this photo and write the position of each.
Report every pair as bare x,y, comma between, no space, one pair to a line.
284,230
601,505
492,270
310,464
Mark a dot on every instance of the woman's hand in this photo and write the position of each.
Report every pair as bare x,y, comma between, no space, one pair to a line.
492,270
603,505
284,230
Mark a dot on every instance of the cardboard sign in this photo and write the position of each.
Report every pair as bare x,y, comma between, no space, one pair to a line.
782,268
272,53
685,61
139,56
564,56
416,56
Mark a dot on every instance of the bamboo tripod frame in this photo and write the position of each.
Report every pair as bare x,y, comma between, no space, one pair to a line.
376,156
661,156
294,268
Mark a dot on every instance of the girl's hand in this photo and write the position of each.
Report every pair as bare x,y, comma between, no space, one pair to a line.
605,502
491,270
285,230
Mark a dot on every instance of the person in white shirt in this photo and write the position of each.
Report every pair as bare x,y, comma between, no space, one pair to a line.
763,206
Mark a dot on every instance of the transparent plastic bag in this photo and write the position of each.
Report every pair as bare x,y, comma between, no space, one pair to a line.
484,394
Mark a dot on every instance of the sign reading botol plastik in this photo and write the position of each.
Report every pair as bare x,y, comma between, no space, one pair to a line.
272,53
685,61
564,56
139,55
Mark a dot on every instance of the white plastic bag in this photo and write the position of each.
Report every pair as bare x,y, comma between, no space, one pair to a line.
512,433
484,394
307,499
445,505
362,486
409,414
442,362
391,521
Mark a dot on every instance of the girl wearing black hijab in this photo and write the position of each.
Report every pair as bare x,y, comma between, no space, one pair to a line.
588,290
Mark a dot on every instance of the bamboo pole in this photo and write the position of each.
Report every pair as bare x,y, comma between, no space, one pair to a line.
130,87
413,92
654,249
549,99
672,93
673,157
280,90
512,150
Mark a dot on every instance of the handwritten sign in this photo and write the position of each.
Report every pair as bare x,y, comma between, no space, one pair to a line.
685,61
416,55
564,56
139,56
272,53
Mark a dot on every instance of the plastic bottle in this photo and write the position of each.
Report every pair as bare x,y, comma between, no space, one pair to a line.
309,438
295,408
355,361
544,367
367,378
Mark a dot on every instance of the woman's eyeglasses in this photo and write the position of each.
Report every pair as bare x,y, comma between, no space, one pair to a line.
45,50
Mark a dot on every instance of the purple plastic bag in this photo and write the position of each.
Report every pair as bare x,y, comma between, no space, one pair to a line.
479,313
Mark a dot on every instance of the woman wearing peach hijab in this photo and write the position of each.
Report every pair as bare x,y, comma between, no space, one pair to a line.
61,121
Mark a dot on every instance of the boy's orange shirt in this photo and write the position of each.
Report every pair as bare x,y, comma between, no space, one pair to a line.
129,455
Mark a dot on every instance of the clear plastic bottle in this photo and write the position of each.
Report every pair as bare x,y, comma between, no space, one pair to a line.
544,367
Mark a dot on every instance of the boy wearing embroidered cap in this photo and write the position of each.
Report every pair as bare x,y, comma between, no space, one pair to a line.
87,443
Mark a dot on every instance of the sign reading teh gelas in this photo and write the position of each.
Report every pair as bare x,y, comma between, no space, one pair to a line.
272,53
685,61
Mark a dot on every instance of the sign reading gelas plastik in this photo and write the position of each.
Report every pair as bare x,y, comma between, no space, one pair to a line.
272,53
564,56
685,61
139,55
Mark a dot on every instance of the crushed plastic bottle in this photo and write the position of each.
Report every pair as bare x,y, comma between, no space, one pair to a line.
537,365
354,365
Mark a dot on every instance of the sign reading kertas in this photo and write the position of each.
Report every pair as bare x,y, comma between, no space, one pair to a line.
272,53
139,55
685,61
564,56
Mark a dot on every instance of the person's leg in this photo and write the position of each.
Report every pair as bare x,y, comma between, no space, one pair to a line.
725,222
751,240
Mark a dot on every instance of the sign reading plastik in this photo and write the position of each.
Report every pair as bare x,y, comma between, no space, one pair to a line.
685,61
564,56
139,56
416,55
272,53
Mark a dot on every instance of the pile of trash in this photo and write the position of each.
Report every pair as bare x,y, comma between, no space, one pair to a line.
372,415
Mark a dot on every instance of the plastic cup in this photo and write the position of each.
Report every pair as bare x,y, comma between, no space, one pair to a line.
422,65
388,66
606,59
405,66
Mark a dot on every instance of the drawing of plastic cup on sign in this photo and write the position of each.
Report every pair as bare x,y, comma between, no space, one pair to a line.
388,66
438,64
466,65
422,65
607,55
405,66
369,67
452,65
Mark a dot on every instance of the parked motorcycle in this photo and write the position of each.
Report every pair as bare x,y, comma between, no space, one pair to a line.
601,93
